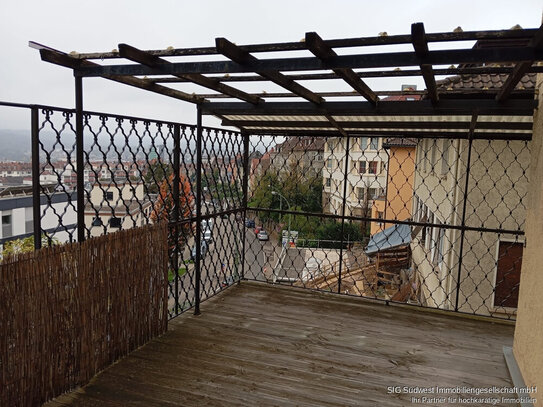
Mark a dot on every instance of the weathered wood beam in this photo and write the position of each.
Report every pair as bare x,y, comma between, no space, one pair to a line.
367,74
381,124
520,69
321,50
360,61
420,44
236,54
153,61
334,43
335,124
398,134
65,60
454,107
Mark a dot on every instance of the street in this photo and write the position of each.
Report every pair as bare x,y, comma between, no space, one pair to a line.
221,265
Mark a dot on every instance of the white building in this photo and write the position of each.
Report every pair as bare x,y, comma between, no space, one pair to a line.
366,175
58,219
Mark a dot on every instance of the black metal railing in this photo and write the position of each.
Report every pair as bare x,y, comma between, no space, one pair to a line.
431,222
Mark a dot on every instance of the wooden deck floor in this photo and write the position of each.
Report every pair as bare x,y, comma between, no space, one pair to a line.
258,345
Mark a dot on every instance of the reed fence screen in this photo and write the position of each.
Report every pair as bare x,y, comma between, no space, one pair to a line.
68,311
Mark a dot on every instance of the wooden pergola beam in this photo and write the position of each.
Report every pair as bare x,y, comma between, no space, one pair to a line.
434,125
520,69
460,107
145,58
334,43
321,50
236,54
368,74
420,44
266,67
62,59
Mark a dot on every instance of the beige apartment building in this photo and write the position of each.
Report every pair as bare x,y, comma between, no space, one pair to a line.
116,205
366,175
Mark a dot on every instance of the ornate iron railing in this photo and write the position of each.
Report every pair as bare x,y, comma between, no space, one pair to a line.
430,222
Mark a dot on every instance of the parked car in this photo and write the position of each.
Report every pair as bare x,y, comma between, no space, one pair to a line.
262,235
250,223
207,224
203,250
207,236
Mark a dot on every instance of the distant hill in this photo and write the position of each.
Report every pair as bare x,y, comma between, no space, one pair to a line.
14,145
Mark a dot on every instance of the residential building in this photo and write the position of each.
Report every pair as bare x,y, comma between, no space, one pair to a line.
58,213
495,199
396,203
303,153
366,178
120,204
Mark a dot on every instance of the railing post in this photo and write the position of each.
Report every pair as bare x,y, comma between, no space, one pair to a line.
80,164
175,192
245,187
36,200
345,179
198,237
464,206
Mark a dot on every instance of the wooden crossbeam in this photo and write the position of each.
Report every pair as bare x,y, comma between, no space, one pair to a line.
321,50
60,58
381,124
236,54
334,123
142,57
520,69
420,44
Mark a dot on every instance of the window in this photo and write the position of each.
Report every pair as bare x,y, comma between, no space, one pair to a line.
328,182
361,194
380,215
438,249
363,143
329,163
29,220
373,167
374,143
108,195
115,222
7,229
362,167
372,193
509,263
97,221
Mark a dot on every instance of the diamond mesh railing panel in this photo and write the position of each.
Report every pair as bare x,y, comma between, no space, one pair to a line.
430,222
129,181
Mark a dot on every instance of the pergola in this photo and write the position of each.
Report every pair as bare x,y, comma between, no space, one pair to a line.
504,113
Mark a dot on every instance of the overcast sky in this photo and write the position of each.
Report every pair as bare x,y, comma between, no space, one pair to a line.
99,25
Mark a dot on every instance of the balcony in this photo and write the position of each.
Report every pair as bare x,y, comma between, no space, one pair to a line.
256,344
144,232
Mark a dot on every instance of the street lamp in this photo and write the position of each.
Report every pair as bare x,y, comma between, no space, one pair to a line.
289,215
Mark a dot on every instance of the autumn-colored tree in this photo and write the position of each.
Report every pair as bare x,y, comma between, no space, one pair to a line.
164,206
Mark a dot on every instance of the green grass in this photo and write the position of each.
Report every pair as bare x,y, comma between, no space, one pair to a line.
171,274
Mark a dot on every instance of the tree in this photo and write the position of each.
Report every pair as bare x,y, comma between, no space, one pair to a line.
164,206
332,231
24,245
155,176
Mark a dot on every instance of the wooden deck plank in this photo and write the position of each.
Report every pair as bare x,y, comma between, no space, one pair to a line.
264,345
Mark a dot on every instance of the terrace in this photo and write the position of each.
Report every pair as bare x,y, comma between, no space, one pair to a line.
430,307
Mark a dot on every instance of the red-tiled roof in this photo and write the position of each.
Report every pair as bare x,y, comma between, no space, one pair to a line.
484,82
